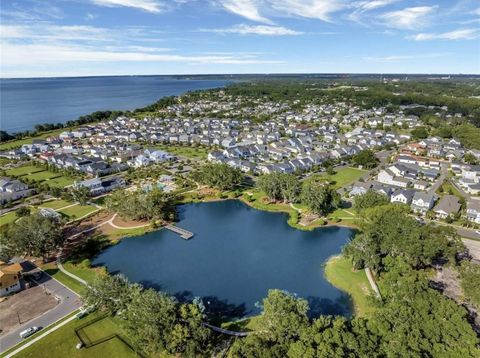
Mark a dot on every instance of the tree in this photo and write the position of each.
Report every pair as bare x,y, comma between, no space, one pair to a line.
149,319
140,205
80,194
388,233
369,200
284,318
278,186
420,133
32,235
319,196
111,293
23,211
470,159
190,338
365,158
219,176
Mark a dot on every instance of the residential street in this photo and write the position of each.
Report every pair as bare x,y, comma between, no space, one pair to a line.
69,302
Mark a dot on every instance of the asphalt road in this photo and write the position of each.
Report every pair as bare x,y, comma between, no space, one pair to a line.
69,302
473,248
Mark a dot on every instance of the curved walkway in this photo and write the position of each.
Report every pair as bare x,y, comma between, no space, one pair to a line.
125,227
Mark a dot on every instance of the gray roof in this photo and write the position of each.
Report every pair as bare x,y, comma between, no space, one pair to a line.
448,204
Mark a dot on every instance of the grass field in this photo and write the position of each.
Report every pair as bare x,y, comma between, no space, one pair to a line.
39,174
42,176
62,342
338,271
78,211
24,170
187,152
8,218
448,189
56,204
344,177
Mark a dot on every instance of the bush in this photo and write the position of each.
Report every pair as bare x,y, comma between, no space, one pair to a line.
85,263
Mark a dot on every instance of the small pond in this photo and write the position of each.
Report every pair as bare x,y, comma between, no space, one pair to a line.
236,255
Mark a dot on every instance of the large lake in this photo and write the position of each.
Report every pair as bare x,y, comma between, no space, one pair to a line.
236,255
26,102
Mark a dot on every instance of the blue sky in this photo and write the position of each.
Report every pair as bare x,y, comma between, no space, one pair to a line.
130,37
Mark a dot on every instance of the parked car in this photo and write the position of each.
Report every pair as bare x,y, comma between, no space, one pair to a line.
29,331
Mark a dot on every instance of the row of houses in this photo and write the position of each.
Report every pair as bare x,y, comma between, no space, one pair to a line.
419,201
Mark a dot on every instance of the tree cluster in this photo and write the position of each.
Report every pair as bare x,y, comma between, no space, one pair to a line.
219,176
278,186
389,235
142,205
32,235
155,322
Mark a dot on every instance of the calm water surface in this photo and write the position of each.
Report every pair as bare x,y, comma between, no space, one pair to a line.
236,255
26,102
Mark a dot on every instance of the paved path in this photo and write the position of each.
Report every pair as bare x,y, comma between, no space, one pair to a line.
69,302
372,282
473,248
110,222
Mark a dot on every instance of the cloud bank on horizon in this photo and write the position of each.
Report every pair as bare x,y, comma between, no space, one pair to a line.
133,37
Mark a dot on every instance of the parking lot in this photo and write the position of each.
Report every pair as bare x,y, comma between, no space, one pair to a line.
24,306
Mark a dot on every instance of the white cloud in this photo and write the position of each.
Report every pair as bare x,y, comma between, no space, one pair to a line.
399,58
145,5
460,34
266,30
248,9
372,5
408,18
312,9
44,54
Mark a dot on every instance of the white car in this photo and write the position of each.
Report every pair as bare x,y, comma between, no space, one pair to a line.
29,331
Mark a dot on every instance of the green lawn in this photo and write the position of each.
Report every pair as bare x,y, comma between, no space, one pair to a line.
338,271
24,170
61,181
8,218
78,211
62,342
344,177
42,176
87,273
448,189
56,204
187,152
242,325
66,280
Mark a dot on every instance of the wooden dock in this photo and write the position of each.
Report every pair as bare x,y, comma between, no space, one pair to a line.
184,234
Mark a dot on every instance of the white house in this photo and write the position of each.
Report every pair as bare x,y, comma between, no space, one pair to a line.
422,202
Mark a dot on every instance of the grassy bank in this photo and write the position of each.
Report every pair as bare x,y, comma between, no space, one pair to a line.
338,271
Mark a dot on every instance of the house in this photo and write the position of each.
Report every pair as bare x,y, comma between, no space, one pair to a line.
360,188
10,278
49,213
422,202
11,190
448,206
473,211
403,196
100,185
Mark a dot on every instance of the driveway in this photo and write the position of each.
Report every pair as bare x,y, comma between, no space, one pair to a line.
69,301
